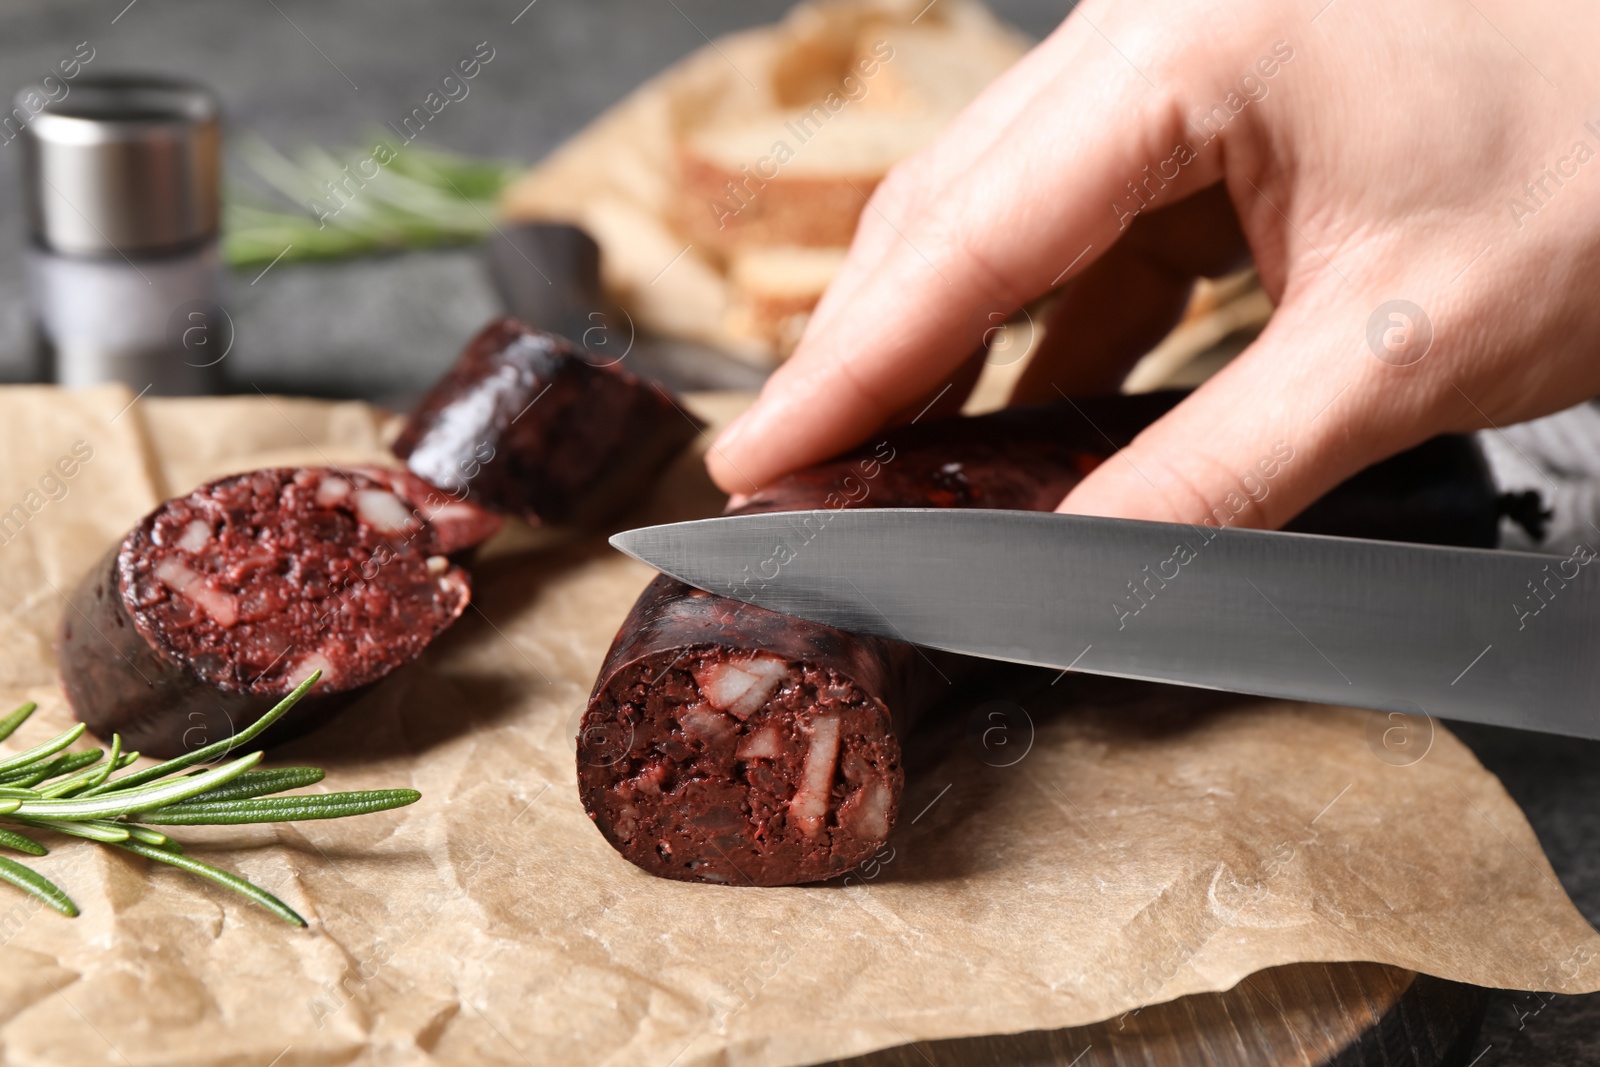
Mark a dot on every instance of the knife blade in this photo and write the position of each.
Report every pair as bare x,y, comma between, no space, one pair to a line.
1507,638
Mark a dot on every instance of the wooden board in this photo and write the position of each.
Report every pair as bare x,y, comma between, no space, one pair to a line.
1305,1014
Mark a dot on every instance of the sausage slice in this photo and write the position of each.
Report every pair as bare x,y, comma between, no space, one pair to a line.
220,602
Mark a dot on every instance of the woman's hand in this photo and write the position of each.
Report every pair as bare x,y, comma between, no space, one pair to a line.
1419,186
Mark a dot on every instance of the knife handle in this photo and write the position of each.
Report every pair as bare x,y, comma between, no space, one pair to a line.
1439,492
548,275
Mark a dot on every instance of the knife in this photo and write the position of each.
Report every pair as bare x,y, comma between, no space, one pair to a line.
548,275
1491,636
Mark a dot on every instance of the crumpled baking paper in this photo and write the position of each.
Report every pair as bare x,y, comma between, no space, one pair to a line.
1069,852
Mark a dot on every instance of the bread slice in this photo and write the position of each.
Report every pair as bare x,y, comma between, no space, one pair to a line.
774,290
799,177
935,70
856,96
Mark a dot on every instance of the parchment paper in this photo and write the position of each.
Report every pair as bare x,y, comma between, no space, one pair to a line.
1113,845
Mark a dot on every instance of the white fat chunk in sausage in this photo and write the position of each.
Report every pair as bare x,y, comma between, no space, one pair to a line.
810,804
867,813
312,661
649,780
627,821
740,687
763,744
454,588
195,536
417,493
182,579
854,767
453,511
331,491
706,724
434,505
437,565
383,511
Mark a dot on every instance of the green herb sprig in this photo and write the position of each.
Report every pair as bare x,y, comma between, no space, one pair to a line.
419,198
79,794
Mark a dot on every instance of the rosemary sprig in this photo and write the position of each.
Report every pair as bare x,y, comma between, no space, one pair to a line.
87,800
418,198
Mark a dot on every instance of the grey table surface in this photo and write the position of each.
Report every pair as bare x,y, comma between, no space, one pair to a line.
381,328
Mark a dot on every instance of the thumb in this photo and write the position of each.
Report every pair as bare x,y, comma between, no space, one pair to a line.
1301,410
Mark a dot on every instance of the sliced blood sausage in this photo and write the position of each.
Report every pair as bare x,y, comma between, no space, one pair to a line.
528,424
220,602
727,743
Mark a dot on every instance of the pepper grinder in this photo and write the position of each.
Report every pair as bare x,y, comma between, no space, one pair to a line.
120,179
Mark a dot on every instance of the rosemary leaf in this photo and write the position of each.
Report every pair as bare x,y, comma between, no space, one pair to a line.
123,801
32,882
45,769
97,776
9,724
215,749
38,752
154,838
215,874
260,783
109,833
278,809
94,775
31,775
21,843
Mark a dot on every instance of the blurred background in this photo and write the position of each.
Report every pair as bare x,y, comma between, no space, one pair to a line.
295,77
